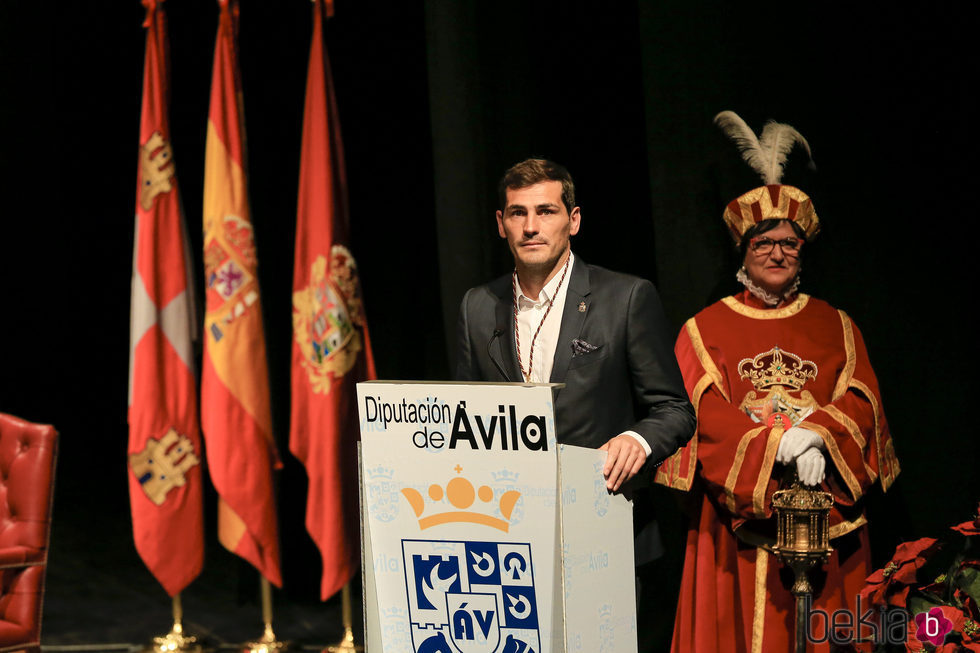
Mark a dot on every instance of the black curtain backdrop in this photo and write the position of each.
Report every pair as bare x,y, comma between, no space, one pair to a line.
436,99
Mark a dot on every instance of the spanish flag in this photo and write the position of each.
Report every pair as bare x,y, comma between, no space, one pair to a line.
164,452
234,384
331,347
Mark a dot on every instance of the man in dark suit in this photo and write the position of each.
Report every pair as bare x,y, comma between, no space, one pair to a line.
601,333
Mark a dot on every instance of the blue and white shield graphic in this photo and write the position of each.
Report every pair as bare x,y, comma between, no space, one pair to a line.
473,621
382,493
471,597
599,492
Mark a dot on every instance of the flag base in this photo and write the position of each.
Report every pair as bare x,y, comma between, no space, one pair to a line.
175,641
346,645
266,644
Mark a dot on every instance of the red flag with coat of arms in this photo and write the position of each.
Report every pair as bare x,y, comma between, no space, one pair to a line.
331,346
235,414
164,451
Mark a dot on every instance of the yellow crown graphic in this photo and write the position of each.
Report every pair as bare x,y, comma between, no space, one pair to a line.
777,367
462,496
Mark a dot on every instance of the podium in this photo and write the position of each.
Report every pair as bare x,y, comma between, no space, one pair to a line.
480,534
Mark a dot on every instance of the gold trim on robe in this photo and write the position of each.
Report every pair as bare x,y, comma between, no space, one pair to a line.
737,466
843,382
887,462
848,423
669,473
768,460
759,611
852,427
849,479
706,362
846,527
766,313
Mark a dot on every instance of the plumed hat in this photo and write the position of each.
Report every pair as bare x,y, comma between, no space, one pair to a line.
766,155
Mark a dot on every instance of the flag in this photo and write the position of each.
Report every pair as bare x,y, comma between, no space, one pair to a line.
235,412
164,451
331,349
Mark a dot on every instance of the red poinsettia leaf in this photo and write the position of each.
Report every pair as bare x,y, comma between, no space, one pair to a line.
879,576
866,593
969,527
890,585
912,644
899,598
906,574
923,547
873,595
908,557
954,615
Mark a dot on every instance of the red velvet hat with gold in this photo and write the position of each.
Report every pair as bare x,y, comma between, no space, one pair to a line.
766,154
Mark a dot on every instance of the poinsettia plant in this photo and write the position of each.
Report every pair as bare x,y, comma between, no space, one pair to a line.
943,615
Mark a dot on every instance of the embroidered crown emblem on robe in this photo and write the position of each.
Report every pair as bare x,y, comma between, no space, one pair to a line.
778,377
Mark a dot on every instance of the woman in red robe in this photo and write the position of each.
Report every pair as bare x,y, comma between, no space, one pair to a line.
781,382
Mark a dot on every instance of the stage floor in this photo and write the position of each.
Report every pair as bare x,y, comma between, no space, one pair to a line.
100,596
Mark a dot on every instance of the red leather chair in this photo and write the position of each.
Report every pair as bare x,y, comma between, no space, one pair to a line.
27,459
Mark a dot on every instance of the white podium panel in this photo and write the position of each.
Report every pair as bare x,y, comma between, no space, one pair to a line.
465,548
599,585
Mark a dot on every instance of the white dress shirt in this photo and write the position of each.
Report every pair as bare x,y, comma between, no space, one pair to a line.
530,312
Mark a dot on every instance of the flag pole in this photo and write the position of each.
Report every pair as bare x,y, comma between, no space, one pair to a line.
175,640
268,642
346,644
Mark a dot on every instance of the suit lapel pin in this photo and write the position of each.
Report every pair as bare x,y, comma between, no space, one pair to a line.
581,307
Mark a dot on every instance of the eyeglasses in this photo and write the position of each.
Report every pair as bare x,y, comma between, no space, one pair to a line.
762,245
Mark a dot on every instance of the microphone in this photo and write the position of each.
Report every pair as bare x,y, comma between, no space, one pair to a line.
496,334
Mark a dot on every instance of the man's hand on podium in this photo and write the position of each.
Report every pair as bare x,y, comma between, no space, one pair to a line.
626,457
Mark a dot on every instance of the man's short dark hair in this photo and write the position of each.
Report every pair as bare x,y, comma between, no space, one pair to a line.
534,171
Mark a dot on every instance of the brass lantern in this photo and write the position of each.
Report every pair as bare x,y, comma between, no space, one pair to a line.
802,541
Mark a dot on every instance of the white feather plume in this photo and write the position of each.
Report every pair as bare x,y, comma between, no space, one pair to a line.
766,155
777,140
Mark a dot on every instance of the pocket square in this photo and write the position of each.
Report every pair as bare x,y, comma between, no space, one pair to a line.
580,347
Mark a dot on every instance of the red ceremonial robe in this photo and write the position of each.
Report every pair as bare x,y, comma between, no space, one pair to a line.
739,361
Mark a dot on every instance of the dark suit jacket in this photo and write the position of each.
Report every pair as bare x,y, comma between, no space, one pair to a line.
630,382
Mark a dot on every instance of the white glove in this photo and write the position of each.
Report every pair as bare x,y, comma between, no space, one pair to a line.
810,466
795,441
